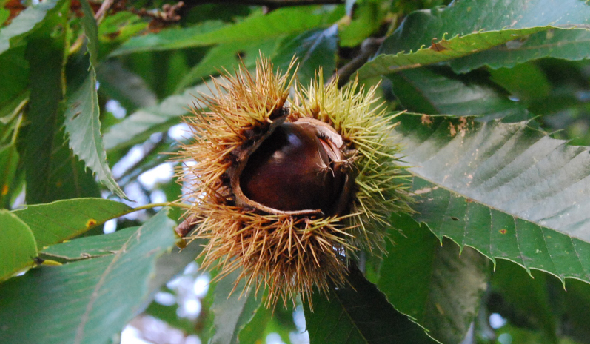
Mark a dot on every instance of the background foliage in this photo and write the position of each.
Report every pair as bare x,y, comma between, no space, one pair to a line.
495,132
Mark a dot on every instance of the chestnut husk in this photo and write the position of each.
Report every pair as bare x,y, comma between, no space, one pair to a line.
288,189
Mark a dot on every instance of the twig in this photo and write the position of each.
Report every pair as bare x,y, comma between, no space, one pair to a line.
99,16
168,14
368,49
185,227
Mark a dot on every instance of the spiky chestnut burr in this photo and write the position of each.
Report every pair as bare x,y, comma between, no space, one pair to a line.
289,189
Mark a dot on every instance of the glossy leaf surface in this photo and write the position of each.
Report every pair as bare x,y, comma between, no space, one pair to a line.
17,247
28,20
278,23
469,26
139,125
437,91
83,128
233,308
313,49
83,214
359,313
86,301
52,171
432,281
507,190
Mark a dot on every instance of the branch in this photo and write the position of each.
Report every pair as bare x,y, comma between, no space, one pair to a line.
186,226
102,11
169,13
368,49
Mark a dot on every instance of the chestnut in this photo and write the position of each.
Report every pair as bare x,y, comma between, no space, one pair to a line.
291,171
288,186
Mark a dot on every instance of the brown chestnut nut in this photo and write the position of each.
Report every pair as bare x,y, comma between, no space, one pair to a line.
291,171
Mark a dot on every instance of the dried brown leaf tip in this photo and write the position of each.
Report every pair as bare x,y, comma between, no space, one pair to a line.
289,188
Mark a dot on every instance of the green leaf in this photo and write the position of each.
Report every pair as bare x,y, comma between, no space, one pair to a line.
167,266
313,49
115,29
65,219
172,39
432,281
29,19
13,85
437,90
406,271
233,309
174,68
472,26
222,12
228,56
82,124
277,23
91,30
4,15
567,44
124,86
526,81
207,332
443,50
510,280
359,313
506,190
90,247
101,245
255,329
138,126
17,247
46,57
52,172
62,176
11,118
278,320
576,300
465,17
86,301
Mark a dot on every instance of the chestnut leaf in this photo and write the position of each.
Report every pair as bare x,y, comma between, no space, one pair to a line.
360,313
507,190
443,34
434,282
83,127
90,300
17,247
82,214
